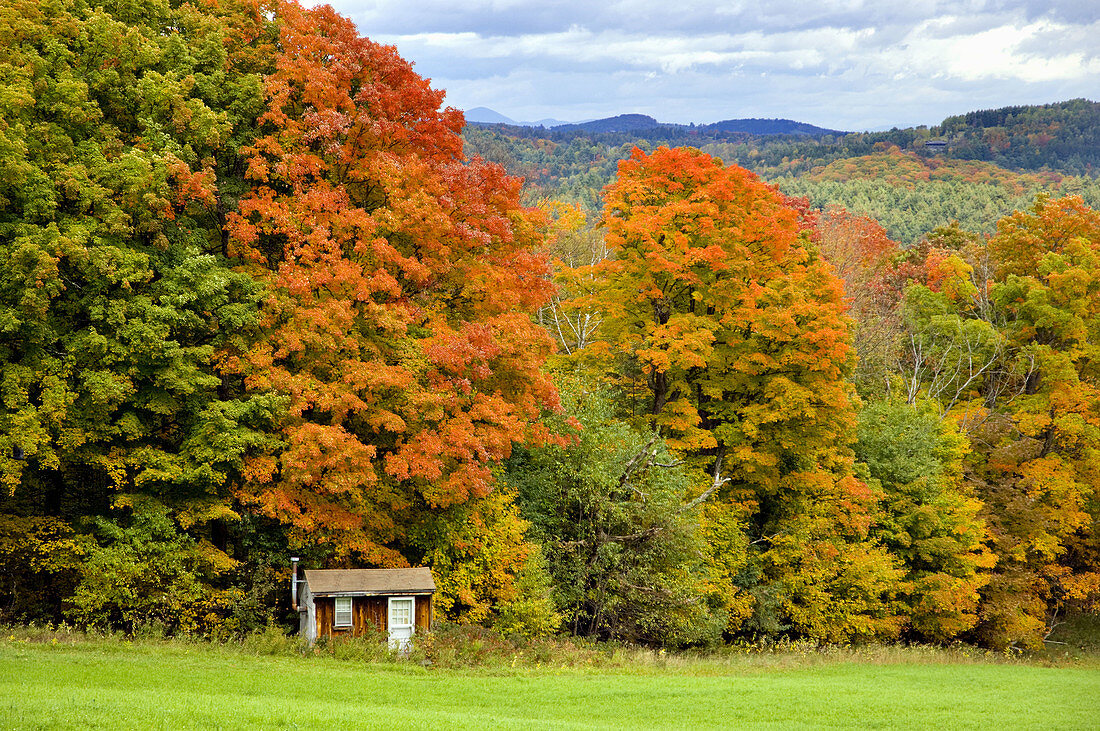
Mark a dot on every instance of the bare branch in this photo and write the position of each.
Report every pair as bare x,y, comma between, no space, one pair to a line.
716,483
633,465
557,324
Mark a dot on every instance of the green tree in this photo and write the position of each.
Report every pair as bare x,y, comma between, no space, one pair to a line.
144,573
620,531
932,521
114,298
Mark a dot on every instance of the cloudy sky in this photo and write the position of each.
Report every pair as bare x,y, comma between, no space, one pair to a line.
843,64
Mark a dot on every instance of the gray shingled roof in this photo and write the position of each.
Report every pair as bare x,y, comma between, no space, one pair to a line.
369,581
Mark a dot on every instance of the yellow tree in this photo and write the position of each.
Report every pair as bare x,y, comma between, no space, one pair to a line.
1044,461
1007,333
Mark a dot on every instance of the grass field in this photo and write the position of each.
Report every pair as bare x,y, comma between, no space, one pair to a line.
114,684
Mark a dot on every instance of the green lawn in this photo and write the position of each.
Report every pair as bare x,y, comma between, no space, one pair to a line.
105,685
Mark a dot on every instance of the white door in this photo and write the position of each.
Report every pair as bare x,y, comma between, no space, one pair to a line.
402,615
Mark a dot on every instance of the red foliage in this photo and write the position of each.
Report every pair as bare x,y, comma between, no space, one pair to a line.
402,279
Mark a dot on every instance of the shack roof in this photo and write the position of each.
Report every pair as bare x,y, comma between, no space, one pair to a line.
348,582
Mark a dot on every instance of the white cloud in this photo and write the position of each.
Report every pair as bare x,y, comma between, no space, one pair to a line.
993,53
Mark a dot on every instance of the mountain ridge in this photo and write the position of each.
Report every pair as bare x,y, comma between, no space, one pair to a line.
634,122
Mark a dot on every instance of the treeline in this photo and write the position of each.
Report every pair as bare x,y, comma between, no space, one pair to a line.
940,489
256,302
1060,137
908,190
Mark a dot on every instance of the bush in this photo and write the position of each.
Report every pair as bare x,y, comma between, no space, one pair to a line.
465,646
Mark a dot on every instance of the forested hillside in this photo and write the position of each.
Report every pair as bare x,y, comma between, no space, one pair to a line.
1064,136
911,195
1061,137
262,295
996,162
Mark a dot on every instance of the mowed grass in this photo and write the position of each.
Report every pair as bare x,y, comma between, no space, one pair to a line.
172,686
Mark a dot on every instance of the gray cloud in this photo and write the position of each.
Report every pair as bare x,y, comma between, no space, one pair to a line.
660,17
852,64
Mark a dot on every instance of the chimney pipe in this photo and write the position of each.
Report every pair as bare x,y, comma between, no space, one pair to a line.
294,585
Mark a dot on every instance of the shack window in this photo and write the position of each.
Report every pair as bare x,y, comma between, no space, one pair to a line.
401,612
342,616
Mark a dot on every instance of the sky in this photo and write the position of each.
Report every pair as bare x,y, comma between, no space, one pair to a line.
842,64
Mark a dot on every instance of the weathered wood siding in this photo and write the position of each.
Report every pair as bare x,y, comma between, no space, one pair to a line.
326,614
366,612
423,614
369,611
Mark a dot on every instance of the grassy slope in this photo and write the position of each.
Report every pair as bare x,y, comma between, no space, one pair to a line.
119,686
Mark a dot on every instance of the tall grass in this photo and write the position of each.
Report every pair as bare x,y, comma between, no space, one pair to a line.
453,647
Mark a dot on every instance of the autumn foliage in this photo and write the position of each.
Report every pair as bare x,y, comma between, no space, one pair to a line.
1040,471
995,336
402,279
255,278
736,330
256,302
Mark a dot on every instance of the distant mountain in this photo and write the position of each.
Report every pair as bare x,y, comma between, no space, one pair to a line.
547,122
768,127
485,115
631,123
642,123
620,123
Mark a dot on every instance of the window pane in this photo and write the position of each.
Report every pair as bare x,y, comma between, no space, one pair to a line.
401,611
343,612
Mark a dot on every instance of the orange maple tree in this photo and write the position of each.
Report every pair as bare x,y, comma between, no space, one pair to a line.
736,333
402,281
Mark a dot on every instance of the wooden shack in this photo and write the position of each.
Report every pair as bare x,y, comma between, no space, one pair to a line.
355,602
